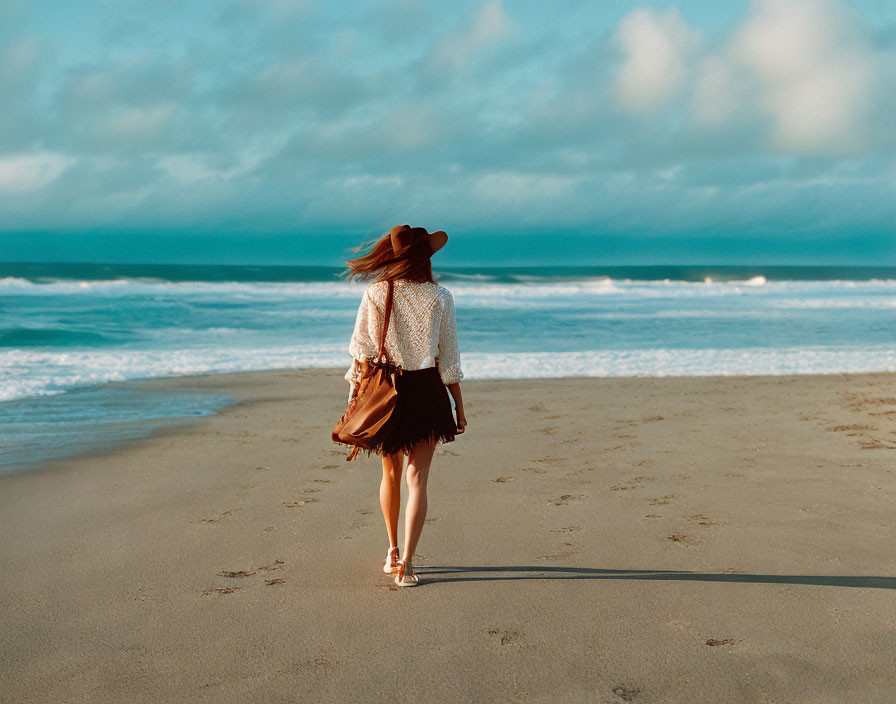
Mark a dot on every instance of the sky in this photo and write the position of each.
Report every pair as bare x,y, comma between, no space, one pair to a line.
285,131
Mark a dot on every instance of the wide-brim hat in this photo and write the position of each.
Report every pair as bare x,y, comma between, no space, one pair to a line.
407,240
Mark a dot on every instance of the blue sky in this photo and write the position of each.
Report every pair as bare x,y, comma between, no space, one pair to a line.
287,130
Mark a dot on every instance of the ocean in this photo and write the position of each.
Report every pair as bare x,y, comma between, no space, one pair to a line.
67,329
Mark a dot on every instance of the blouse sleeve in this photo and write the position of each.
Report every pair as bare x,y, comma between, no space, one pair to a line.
449,355
361,346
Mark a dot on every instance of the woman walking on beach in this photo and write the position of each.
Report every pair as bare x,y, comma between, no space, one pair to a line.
422,339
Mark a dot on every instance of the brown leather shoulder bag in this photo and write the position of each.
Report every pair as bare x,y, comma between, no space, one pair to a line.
370,416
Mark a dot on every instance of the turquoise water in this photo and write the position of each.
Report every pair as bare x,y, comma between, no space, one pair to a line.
33,430
66,329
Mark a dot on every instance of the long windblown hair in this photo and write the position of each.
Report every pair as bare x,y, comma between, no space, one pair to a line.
381,264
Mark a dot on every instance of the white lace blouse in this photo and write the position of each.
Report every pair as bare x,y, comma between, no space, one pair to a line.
423,327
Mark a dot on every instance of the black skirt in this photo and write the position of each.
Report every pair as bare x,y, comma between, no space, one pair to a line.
424,411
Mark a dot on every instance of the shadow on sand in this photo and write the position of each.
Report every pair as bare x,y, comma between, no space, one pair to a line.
459,573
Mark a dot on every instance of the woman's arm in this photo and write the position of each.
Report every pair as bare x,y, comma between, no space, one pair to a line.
458,405
449,359
353,376
360,346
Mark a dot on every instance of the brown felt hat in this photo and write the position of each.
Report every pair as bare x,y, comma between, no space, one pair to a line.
406,239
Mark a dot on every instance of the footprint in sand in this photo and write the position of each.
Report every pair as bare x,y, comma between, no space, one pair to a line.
501,480
557,555
723,641
876,444
569,529
220,590
863,401
702,520
683,540
215,520
506,637
661,501
275,565
293,504
626,694
142,594
632,483
564,499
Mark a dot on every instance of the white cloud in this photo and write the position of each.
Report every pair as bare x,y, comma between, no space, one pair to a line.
24,173
340,115
516,187
814,70
715,96
490,25
657,48
189,169
802,72
136,123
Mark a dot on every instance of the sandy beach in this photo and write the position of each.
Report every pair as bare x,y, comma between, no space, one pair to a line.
603,540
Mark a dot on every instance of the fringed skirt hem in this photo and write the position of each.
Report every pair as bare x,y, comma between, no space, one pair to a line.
423,413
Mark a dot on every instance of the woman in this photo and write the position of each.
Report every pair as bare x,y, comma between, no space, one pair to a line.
422,339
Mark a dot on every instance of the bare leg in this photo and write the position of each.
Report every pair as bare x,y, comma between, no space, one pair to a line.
415,510
390,494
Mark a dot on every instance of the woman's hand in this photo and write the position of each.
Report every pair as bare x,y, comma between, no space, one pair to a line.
454,390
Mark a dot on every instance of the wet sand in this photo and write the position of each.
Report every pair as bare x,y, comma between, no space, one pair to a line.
606,540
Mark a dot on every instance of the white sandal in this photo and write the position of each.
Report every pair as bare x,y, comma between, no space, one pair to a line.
391,562
403,579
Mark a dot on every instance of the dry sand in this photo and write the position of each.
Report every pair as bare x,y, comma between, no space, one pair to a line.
600,540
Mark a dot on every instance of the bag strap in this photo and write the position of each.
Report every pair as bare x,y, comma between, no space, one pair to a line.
387,315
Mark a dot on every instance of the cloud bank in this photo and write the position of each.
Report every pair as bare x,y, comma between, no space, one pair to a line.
279,115
803,73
